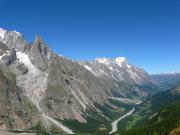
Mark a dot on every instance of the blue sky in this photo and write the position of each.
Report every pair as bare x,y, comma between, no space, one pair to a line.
147,32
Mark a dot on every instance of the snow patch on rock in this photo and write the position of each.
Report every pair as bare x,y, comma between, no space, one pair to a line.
17,33
2,56
2,33
34,82
102,60
88,67
57,123
120,61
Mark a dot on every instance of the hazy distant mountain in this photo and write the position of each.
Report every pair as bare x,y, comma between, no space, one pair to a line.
168,80
39,86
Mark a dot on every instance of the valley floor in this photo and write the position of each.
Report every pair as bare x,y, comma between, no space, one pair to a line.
114,124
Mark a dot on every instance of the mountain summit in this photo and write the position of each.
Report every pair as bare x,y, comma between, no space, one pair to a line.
120,61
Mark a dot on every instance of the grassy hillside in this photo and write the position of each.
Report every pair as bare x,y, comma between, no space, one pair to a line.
162,122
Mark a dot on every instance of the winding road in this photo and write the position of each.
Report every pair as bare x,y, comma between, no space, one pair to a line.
114,123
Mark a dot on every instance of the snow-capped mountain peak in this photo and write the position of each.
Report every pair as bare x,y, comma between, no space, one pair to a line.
17,33
120,61
13,39
2,32
102,60
6,35
13,32
117,68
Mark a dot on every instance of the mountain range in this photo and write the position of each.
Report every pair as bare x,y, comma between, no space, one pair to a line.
39,88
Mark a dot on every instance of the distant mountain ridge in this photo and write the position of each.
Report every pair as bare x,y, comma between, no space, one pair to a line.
167,80
118,69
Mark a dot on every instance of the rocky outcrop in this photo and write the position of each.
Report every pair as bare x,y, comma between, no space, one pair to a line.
9,57
175,131
16,111
39,53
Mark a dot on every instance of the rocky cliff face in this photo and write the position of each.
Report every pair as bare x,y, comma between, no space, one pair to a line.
16,110
58,87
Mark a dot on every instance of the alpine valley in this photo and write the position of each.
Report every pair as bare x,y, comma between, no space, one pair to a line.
44,93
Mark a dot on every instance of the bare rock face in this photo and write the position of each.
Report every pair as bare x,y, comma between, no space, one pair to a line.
175,131
22,68
15,110
3,48
9,57
3,126
71,88
39,53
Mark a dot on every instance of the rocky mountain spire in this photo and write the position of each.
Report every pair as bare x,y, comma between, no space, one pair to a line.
40,45
39,53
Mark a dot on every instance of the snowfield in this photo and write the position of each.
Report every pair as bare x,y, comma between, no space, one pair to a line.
34,82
